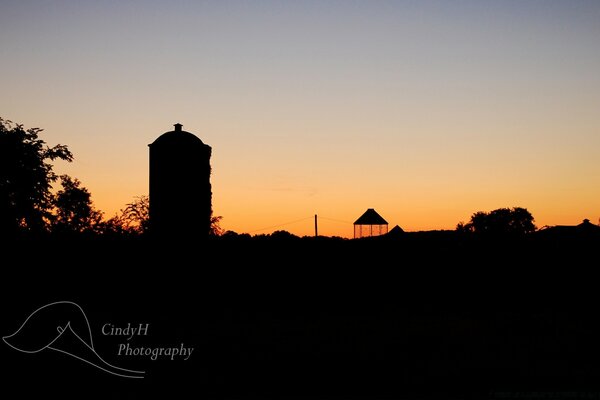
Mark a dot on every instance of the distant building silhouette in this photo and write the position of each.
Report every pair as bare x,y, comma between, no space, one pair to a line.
370,224
180,190
583,230
396,231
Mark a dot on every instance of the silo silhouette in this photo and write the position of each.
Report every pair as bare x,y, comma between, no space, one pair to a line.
180,190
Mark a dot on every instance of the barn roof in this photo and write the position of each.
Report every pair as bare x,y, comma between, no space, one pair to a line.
370,217
396,231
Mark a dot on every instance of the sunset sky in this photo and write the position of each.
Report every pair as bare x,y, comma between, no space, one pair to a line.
426,111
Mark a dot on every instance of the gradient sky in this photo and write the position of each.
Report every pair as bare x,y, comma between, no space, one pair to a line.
426,111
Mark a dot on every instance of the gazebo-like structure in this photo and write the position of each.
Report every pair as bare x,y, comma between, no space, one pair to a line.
370,224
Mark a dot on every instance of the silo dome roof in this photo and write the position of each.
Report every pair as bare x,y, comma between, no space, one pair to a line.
178,136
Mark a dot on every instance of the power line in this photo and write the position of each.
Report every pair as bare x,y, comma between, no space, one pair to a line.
284,224
299,220
335,220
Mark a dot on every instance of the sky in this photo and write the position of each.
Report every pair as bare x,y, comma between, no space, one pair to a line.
427,111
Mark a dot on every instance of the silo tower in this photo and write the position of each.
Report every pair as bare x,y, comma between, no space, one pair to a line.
180,190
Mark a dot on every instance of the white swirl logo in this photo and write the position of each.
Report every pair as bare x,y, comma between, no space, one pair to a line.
63,327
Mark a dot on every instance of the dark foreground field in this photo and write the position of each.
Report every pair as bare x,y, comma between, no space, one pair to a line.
418,316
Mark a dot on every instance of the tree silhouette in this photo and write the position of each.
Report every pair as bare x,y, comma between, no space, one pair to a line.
215,226
74,211
133,220
502,221
136,214
26,177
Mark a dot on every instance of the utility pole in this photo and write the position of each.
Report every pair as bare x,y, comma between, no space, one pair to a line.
316,229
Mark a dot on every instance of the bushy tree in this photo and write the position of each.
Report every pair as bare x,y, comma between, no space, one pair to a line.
26,178
502,221
74,210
